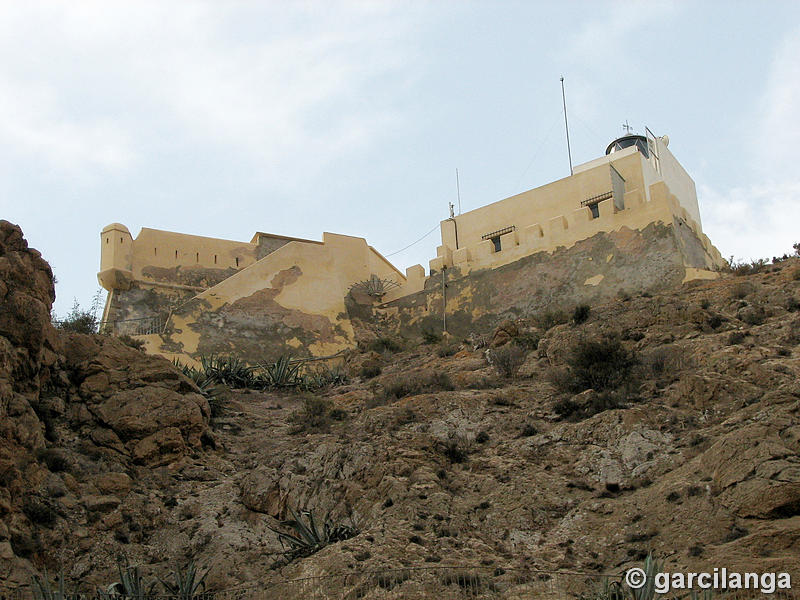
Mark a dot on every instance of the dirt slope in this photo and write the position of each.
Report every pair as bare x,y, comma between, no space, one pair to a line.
106,451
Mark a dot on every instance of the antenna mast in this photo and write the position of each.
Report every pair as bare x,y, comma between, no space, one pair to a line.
458,191
566,124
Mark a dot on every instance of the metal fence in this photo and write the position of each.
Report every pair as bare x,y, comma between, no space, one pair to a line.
440,583
141,326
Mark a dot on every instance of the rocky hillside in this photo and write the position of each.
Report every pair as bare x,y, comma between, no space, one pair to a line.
688,445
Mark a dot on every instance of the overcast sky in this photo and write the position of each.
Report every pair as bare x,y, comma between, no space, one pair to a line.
226,118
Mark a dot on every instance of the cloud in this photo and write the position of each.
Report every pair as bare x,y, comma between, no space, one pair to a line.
102,84
760,220
778,133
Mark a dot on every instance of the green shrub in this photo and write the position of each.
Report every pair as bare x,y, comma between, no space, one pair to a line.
581,314
314,416
527,341
370,371
54,459
429,336
79,320
747,268
549,319
602,364
507,359
736,337
384,344
754,315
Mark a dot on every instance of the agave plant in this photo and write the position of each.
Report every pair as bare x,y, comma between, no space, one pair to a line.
131,584
43,590
309,537
208,387
284,372
323,377
651,568
228,370
185,584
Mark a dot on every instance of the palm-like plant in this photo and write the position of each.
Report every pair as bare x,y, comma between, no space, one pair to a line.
284,372
43,590
185,584
308,538
648,591
131,584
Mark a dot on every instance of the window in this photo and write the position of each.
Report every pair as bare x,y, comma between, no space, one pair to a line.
197,257
495,236
215,259
595,210
237,261
176,255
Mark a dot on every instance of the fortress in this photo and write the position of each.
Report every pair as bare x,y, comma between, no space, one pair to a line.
627,221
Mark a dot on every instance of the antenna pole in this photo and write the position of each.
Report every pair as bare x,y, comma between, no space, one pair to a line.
566,124
458,191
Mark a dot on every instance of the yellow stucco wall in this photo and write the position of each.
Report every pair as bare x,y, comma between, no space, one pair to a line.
309,281
551,216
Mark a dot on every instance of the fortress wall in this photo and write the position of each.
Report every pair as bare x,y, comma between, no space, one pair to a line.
656,256
167,250
568,229
543,203
291,301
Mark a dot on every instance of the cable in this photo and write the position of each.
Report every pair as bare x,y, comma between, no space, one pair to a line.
412,243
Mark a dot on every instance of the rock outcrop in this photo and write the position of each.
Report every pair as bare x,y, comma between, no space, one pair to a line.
76,413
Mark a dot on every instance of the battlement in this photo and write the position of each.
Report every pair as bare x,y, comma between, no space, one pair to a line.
285,293
567,229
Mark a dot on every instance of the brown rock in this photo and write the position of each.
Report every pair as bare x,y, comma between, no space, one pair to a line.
102,504
118,484
260,492
140,412
161,448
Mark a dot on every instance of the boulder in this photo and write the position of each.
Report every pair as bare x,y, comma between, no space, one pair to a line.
504,333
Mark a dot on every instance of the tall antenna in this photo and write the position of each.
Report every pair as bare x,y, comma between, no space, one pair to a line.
566,124
458,191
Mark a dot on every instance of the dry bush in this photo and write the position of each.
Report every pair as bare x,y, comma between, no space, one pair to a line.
742,290
507,359
665,359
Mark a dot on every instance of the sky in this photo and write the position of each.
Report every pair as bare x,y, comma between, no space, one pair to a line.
227,118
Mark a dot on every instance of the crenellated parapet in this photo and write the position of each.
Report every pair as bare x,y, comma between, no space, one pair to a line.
567,229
